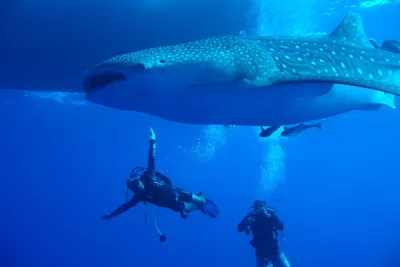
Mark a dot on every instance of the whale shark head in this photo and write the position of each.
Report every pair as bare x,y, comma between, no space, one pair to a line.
130,78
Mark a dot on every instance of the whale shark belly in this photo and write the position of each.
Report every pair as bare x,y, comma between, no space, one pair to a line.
276,105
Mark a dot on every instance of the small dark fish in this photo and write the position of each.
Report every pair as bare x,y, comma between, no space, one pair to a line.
230,126
269,131
295,130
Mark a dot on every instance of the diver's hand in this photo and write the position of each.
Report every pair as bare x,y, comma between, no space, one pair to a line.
152,135
250,220
184,215
247,231
106,216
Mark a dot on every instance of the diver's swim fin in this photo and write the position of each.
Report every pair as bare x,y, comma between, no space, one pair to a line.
211,209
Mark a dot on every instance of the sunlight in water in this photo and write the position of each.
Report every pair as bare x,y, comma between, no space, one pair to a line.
272,172
273,169
275,18
377,3
213,137
63,98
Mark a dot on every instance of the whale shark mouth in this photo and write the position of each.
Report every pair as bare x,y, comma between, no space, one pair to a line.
105,74
99,80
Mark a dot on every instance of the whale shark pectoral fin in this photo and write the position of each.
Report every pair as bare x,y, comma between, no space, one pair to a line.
308,89
384,100
298,89
387,100
371,107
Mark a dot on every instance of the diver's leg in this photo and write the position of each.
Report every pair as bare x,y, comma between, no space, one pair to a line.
261,263
190,207
198,200
202,203
281,261
187,197
190,202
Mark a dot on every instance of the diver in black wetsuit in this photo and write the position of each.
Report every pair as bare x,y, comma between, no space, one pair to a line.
157,189
264,224
388,45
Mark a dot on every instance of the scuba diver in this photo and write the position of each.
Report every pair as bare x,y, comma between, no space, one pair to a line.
264,225
150,186
388,45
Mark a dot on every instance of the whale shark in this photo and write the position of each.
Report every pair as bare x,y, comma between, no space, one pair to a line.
251,81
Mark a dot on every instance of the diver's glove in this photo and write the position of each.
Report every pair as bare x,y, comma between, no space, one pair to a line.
152,135
163,238
106,216
250,220
184,215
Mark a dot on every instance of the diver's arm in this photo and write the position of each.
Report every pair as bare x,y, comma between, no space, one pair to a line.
244,224
124,207
373,42
277,222
151,164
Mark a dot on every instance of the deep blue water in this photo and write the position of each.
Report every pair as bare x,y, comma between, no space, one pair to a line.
62,166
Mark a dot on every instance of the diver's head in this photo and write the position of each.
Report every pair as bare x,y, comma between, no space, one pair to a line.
391,46
134,184
260,206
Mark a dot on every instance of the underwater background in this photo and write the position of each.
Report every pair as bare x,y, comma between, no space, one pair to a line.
64,162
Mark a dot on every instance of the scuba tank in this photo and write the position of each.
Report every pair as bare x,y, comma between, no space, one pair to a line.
164,178
137,172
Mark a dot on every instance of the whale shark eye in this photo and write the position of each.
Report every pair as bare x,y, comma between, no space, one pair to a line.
162,60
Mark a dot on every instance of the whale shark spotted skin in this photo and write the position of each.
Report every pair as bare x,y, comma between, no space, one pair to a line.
232,80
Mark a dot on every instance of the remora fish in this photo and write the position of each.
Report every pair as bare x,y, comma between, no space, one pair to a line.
232,80
268,131
295,130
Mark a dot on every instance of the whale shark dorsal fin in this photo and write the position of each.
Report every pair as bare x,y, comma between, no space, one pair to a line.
351,30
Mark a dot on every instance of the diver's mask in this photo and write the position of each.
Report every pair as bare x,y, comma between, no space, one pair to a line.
133,182
259,206
137,172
